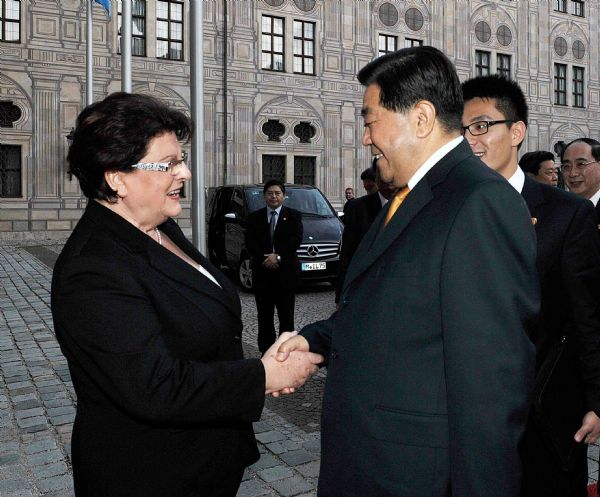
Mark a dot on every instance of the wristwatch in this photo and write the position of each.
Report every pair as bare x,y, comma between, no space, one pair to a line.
278,258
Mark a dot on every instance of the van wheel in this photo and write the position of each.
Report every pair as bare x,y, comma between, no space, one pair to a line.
245,273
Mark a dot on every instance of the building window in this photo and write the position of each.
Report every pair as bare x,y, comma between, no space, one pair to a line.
483,32
138,28
388,14
169,30
304,170
504,35
273,167
412,42
272,43
387,44
560,84
578,8
10,21
304,47
482,63
503,65
560,5
578,74
414,19
305,132
10,171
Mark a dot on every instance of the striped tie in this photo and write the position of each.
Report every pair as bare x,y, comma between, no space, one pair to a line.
396,202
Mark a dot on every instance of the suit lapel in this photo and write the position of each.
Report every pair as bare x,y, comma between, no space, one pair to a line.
534,198
379,238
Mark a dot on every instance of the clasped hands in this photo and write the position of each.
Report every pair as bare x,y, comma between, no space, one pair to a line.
288,364
270,261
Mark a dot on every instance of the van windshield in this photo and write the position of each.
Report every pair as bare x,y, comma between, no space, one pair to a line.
309,202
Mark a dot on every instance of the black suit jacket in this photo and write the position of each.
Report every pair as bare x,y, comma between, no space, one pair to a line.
164,400
361,212
286,240
430,366
568,264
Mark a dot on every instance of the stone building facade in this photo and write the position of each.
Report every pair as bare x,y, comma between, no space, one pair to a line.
284,100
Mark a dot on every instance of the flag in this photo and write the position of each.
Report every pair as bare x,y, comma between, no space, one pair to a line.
105,4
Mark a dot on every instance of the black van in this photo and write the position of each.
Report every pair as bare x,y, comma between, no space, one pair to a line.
227,212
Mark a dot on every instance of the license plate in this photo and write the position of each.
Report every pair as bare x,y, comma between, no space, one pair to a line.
313,266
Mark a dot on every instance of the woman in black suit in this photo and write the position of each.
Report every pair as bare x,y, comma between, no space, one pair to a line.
151,330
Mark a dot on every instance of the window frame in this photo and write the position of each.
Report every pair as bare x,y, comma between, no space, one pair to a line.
273,35
412,42
578,81
169,39
133,35
560,6
4,21
18,171
578,8
500,69
560,90
479,65
303,39
386,38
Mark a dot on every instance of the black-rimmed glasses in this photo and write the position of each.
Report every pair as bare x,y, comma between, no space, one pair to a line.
482,127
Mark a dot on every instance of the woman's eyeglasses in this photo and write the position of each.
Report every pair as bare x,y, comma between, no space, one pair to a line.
171,167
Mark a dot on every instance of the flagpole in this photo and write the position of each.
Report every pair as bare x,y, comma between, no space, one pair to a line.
89,55
126,47
197,98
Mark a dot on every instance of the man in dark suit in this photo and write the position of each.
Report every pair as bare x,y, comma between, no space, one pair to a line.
427,390
568,263
273,236
358,219
580,164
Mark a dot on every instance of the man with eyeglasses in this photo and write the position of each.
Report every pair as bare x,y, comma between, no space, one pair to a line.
273,236
553,449
581,170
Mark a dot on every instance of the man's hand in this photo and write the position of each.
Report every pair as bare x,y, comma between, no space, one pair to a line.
590,429
271,261
294,343
284,377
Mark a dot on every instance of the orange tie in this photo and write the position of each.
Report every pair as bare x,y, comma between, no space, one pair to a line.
396,202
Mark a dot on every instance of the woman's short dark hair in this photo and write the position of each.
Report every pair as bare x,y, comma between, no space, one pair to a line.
413,74
114,134
530,162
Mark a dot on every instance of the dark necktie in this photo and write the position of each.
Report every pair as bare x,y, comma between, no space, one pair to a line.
272,225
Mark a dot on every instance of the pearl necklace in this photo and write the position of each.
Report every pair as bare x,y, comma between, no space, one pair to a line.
158,236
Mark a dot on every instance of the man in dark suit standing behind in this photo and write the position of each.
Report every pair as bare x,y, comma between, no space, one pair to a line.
273,236
427,390
358,219
568,262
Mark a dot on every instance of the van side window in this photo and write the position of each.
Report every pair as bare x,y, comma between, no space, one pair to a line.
237,203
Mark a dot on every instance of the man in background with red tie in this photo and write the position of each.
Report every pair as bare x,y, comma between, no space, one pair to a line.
273,236
429,363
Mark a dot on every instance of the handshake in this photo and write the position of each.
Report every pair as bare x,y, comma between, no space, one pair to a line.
288,364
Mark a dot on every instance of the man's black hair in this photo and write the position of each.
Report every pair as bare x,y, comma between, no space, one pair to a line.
507,93
530,162
590,141
410,75
368,174
274,182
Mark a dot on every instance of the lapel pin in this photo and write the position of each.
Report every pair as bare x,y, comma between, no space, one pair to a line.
534,220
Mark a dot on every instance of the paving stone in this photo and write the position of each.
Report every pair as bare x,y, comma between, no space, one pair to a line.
45,457
252,488
34,421
310,470
55,483
265,461
292,486
275,473
7,486
10,458
270,436
296,457
40,446
48,470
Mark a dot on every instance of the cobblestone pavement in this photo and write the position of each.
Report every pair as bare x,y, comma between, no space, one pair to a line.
37,400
